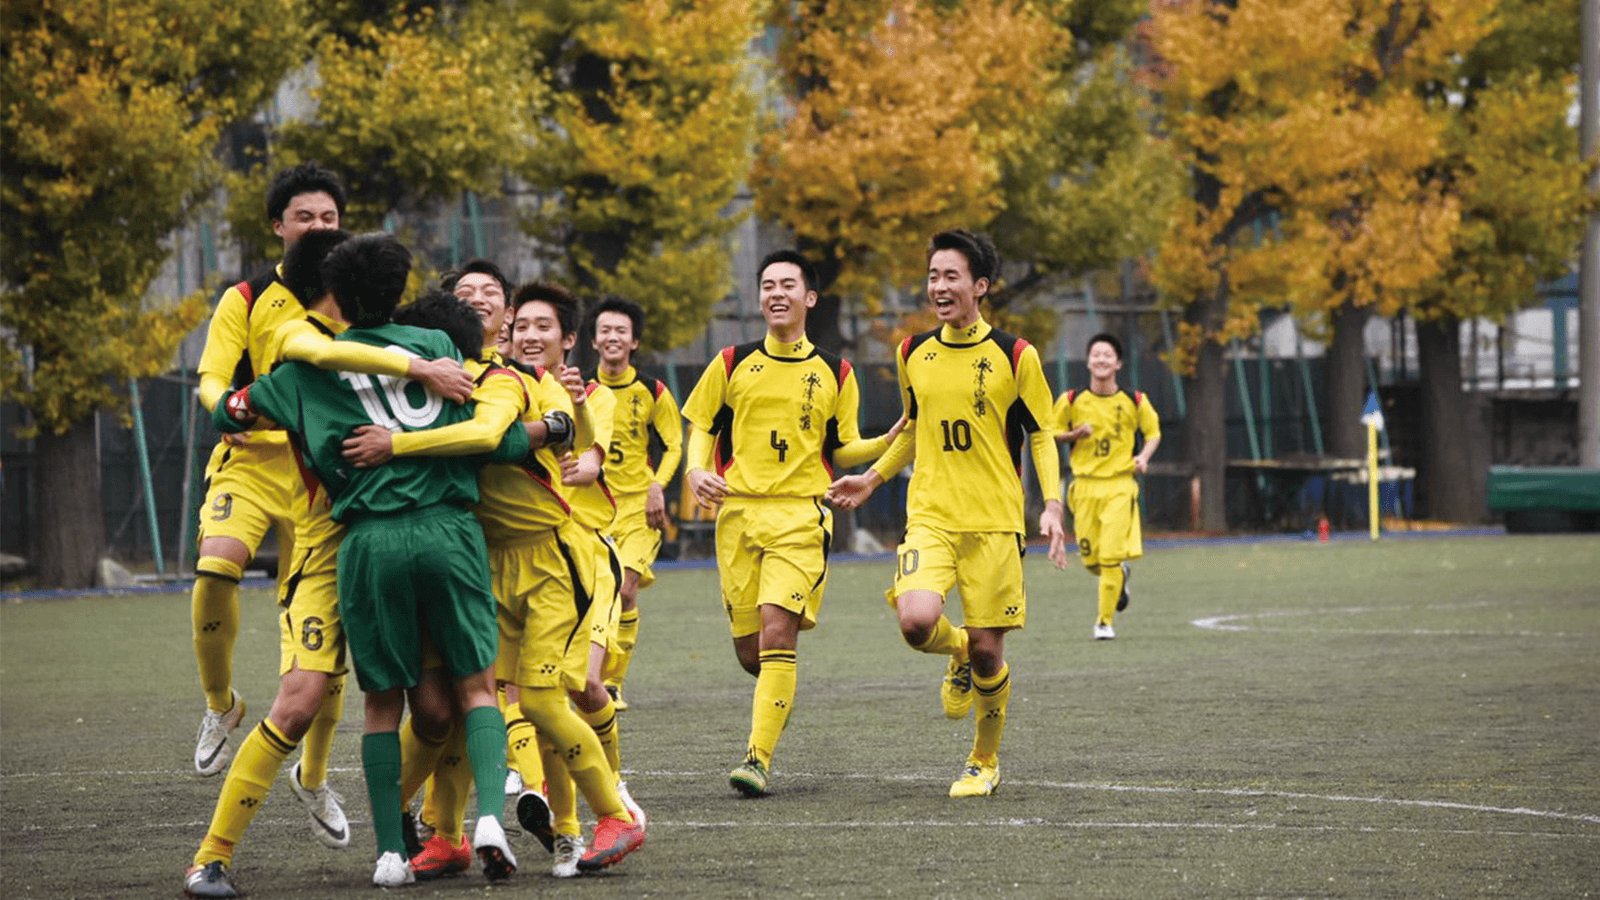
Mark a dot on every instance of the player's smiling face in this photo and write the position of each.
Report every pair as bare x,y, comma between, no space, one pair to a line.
784,298
483,293
314,211
1103,362
951,289
614,339
536,338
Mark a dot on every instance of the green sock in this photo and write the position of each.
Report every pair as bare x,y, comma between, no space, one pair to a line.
380,760
486,751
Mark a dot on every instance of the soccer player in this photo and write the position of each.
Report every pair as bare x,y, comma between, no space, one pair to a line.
412,554
646,414
312,671
543,331
1104,425
545,588
777,414
973,393
251,478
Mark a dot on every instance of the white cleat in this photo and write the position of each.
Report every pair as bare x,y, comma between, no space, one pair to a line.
569,849
393,870
489,840
630,804
1103,632
513,782
212,749
327,816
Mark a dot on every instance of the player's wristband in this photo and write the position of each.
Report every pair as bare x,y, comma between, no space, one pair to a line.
559,430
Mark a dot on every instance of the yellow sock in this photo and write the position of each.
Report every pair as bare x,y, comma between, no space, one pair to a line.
446,805
522,746
419,757
214,610
575,743
993,696
604,723
318,742
512,713
1110,591
773,701
627,638
946,640
560,792
254,769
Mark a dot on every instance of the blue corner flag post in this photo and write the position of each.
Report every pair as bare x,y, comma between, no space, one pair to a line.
1372,417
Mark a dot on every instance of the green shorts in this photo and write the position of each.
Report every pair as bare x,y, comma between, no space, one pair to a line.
402,574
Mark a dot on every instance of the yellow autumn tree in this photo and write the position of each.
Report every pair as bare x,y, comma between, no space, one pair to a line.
111,112
1312,181
649,113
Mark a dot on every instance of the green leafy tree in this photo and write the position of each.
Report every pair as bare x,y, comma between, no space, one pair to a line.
1312,183
1512,159
111,112
648,119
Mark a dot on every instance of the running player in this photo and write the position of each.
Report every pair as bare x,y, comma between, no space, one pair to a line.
647,415
1104,425
777,415
972,393
412,553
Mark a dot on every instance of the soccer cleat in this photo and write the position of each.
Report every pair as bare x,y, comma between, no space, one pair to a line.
489,840
533,814
393,870
438,858
1103,631
327,816
632,805
615,690
613,839
514,785
212,750
209,880
750,779
569,849
978,779
408,833
1122,599
956,689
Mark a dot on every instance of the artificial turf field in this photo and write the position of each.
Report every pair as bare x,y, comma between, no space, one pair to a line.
1416,718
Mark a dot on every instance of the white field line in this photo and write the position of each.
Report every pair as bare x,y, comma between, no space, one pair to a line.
1230,622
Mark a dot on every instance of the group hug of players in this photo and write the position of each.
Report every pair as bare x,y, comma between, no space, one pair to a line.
467,522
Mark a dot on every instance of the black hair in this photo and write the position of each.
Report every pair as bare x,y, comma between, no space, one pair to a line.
560,300
808,272
480,266
616,304
983,260
1105,338
306,178
367,275
302,264
439,309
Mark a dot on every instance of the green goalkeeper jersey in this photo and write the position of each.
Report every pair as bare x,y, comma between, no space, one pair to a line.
322,408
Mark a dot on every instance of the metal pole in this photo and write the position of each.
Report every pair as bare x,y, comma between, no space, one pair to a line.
144,474
1311,395
1589,264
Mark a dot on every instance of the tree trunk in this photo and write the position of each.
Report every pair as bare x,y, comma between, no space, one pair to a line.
71,517
1347,383
1206,433
1450,481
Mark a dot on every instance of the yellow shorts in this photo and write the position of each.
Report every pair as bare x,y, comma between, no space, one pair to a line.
638,544
310,632
985,566
253,489
544,588
772,550
607,581
1105,520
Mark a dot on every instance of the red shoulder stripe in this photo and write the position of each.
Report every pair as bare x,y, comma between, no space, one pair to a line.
844,370
905,349
1016,353
727,360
